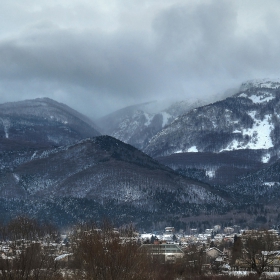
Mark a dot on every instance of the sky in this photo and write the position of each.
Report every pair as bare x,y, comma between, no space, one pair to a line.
99,56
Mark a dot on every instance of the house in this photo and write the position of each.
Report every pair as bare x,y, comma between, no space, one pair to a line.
229,230
269,259
273,260
163,252
170,230
215,257
213,253
193,231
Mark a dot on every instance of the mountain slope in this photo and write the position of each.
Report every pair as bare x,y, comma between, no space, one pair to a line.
215,168
137,124
43,122
106,175
247,120
265,183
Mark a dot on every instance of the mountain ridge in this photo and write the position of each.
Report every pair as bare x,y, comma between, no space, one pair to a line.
237,122
198,164
137,124
43,121
99,172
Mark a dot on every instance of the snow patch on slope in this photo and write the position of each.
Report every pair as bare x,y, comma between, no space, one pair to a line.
17,178
261,98
34,155
165,118
149,119
259,133
259,136
271,184
243,95
192,149
234,145
210,173
266,158
6,125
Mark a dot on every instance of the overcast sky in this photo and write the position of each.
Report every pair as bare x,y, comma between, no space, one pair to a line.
98,56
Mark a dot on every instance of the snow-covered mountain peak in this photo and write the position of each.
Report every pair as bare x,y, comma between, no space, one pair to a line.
259,91
249,120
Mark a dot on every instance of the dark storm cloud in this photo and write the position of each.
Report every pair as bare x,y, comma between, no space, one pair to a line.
85,59
205,41
123,53
118,66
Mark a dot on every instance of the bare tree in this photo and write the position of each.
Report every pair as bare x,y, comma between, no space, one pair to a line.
194,259
23,228
27,260
102,254
258,249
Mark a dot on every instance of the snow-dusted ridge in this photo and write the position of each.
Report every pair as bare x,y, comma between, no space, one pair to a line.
247,120
137,124
43,120
104,171
260,98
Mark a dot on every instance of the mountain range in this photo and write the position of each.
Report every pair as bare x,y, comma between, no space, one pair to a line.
174,164
54,166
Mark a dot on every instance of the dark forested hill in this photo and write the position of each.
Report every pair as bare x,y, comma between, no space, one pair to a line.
261,186
101,176
215,168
